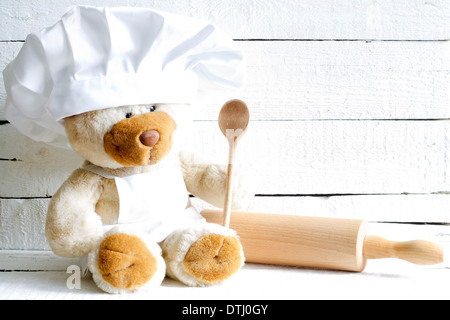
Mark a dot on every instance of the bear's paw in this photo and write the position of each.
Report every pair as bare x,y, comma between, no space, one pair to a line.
123,263
214,258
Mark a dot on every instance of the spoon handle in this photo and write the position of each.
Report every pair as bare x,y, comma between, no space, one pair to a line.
229,183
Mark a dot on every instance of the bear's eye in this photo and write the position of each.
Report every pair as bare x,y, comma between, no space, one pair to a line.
128,115
152,108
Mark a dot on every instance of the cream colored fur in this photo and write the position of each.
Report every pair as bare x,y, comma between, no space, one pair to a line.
73,226
86,202
207,181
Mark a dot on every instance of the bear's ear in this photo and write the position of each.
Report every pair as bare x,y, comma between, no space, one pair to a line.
73,126
85,134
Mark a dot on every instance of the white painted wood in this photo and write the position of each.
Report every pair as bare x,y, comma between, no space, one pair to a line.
291,85
430,208
346,80
331,80
22,224
8,51
382,280
37,170
265,19
32,260
337,157
283,157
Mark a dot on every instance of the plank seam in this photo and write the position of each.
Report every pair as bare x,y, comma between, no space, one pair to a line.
293,195
340,119
340,40
24,198
288,195
417,223
6,122
305,40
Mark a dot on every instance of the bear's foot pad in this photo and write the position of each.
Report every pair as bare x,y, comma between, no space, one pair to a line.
125,262
214,258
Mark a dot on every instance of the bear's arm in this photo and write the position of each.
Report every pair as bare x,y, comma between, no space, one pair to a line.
207,181
72,226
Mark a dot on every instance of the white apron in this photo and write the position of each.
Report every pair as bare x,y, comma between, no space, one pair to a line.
155,202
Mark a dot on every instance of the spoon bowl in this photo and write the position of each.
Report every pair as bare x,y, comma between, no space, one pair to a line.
234,118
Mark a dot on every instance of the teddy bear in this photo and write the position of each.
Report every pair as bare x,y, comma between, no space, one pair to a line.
162,233
118,87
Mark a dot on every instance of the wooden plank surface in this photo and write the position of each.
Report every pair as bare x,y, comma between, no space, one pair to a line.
403,280
265,19
330,80
345,121
22,224
343,80
424,209
290,157
34,260
337,157
382,280
31,169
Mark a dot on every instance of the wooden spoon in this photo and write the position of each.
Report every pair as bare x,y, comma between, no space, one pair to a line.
233,122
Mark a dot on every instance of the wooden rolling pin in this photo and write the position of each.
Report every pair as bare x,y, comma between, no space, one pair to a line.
328,243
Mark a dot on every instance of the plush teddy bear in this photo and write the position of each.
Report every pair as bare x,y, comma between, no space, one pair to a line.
134,150
116,85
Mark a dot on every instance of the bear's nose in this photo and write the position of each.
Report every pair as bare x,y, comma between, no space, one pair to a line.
149,138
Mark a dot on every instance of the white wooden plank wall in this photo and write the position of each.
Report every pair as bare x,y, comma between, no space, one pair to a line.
350,107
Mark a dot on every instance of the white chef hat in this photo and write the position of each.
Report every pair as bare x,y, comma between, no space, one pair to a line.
95,58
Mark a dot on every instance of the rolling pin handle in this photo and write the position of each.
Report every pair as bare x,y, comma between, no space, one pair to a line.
419,252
